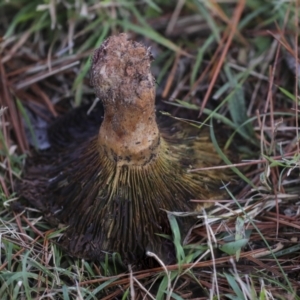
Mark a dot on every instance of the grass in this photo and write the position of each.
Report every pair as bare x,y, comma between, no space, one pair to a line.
232,64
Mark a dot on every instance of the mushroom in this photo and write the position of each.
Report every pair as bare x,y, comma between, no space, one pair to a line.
111,176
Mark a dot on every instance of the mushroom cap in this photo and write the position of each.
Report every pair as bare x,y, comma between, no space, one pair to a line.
110,206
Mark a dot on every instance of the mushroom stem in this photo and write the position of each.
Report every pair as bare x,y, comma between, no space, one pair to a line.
122,79
129,134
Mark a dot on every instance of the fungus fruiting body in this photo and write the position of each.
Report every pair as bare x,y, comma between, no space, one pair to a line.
111,175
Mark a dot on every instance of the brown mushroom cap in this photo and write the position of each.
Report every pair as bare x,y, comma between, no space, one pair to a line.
112,175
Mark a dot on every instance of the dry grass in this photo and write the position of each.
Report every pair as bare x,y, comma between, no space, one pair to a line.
233,64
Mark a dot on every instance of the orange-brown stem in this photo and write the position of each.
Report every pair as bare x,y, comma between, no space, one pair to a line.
129,136
122,79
